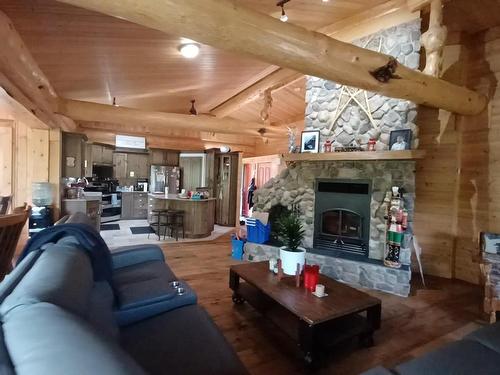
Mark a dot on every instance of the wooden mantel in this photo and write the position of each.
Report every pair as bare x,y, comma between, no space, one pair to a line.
356,155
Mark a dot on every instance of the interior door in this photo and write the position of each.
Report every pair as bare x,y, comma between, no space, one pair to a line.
263,174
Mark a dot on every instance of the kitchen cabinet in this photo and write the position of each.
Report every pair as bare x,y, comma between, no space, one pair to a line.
226,187
90,207
164,157
138,164
134,205
74,152
120,163
102,154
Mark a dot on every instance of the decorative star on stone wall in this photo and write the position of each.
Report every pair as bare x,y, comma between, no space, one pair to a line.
359,96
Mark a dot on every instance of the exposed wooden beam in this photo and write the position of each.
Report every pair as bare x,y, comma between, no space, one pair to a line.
273,81
361,24
86,111
21,76
230,26
154,141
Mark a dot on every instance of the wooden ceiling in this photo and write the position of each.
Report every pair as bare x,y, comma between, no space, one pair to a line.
94,57
89,56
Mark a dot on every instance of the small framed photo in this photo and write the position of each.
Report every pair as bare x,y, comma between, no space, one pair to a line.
310,141
400,140
489,242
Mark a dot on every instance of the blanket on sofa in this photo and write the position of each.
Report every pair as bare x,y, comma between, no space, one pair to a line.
85,236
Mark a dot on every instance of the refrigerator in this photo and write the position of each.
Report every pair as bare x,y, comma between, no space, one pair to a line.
161,176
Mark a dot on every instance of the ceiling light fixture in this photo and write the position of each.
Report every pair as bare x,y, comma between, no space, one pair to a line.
283,17
325,1
189,50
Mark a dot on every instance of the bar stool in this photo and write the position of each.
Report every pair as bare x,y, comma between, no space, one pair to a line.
159,213
175,223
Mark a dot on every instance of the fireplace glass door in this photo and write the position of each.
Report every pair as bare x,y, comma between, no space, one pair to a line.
342,223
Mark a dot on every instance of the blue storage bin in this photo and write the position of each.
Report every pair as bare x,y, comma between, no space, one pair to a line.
257,232
237,248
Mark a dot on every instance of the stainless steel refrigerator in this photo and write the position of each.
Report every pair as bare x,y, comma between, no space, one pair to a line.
161,176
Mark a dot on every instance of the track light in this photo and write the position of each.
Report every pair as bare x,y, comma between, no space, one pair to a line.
283,17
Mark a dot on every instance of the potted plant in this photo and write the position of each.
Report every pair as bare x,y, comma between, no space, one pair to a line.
291,232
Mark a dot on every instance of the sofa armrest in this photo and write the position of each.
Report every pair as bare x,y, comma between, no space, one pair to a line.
129,255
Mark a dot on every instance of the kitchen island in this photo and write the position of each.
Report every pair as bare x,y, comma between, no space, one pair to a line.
199,214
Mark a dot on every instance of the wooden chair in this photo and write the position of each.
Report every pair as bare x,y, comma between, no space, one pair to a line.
4,204
11,227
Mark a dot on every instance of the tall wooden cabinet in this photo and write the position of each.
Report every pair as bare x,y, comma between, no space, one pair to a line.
227,167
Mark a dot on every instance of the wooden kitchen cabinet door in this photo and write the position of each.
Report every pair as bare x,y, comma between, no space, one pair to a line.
107,155
120,165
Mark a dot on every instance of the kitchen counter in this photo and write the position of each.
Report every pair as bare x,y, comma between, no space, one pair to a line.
199,214
174,197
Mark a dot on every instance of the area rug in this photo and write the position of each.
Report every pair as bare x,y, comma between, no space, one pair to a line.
141,230
110,227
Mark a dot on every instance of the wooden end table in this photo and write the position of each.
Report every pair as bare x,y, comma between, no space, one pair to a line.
315,323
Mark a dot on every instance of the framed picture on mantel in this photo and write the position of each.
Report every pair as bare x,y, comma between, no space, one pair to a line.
310,141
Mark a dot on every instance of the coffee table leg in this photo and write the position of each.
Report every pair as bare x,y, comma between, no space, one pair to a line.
234,283
373,316
306,342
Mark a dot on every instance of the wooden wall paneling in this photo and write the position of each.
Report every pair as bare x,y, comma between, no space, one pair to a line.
21,175
479,185
6,166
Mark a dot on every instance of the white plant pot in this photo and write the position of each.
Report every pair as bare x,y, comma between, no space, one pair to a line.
289,260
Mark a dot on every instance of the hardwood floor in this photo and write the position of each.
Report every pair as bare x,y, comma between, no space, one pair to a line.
444,312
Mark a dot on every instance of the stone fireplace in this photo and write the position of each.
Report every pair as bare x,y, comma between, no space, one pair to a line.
341,205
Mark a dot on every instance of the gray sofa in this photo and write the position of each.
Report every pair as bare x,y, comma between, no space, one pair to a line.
477,354
56,319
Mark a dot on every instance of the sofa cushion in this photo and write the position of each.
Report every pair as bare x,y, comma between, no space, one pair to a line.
100,309
458,358
152,270
62,275
184,341
129,255
488,336
137,303
6,366
43,338
12,279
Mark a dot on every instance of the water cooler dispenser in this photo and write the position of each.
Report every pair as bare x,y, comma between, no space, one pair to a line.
42,215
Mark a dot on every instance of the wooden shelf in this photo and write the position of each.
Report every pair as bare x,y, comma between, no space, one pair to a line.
356,155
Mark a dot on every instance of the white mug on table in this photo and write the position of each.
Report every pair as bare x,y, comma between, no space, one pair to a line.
320,290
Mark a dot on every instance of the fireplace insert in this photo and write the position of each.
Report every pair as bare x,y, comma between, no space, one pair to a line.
342,215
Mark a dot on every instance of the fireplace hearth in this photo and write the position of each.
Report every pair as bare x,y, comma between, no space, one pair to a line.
342,210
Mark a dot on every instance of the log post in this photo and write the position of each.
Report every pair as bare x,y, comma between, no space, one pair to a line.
87,111
230,26
434,39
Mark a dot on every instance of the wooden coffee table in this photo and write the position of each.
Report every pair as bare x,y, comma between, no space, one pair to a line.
315,323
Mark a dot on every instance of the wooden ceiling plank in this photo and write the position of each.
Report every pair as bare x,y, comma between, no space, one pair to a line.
219,23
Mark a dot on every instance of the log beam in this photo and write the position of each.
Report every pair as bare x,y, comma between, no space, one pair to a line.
107,136
230,26
157,121
272,82
392,12
22,78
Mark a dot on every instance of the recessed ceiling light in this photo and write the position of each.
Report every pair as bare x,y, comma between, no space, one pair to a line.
189,50
325,1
